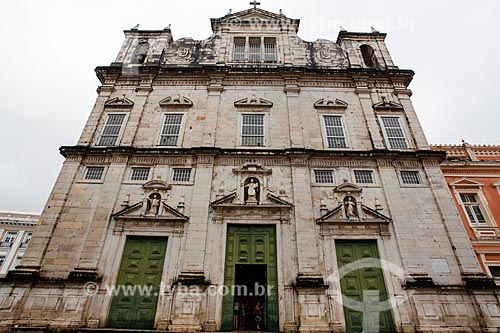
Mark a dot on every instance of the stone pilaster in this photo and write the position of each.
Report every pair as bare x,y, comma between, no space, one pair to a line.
371,121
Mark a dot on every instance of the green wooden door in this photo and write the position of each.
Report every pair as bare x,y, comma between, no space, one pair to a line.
363,287
138,284
252,245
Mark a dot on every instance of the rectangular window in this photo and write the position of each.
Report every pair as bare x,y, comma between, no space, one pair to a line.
111,129
411,177
94,173
17,262
2,260
254,51
472,208
495,271
323,176
10,236
395,133
239,49
364,176
181,175
335,133
270,49
171,130
139,174
252,130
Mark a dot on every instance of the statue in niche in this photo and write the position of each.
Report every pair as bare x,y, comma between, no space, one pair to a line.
350,207
252,191
154,204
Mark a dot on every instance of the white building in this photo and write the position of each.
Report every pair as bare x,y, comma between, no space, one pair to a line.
16,229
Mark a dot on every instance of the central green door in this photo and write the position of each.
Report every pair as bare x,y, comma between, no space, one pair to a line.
366,307
251,245
138,284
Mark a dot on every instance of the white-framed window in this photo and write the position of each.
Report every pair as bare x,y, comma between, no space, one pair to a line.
139,174
324,177
27,237
411,177
181,174
334,131
472,208
239,49
171,129
253,130
394,133
364,176
94,173
10,237
255,49
2,260
112,129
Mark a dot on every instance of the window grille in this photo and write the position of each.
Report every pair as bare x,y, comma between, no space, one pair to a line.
181,175
139,174
323,176
94,173
252,130
363,176
411,177
335,134
395,133
171,130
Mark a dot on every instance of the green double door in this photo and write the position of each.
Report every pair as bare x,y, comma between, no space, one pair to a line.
250,276
138,284
366,306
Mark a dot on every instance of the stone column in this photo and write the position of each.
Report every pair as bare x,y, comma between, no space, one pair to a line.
304,218
196,239
96,223
371,121
215,89
294,112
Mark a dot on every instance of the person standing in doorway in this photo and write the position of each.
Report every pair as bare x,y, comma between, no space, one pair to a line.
257,315
243,313
236,314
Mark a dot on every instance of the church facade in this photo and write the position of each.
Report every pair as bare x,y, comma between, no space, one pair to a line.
251,180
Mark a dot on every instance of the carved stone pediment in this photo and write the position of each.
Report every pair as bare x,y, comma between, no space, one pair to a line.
368,221
228,208
253,102
330,104
348,188
386,104
465,182
252,168
119,103
156,185
367,215
177,101
136,212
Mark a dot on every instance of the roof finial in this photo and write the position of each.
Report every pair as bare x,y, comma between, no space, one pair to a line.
254,3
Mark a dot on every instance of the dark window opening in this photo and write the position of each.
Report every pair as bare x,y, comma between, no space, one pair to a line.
368,56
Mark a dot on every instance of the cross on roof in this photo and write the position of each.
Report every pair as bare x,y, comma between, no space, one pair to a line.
255,4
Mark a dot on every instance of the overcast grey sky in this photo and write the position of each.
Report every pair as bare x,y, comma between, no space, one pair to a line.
50,49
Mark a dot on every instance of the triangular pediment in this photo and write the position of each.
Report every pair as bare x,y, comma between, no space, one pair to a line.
135,211
467,183
386,104
329,103
277,200
254,102
227,199
176,101
250,16
348,188
119,103
368,215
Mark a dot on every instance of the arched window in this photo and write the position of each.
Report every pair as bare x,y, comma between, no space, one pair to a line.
140,52
368,56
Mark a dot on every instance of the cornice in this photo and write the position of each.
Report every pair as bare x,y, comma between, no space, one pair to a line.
424,155
104,73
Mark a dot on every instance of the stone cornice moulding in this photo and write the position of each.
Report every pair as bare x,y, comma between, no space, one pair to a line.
330,104
177,101
253,102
